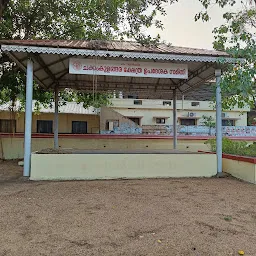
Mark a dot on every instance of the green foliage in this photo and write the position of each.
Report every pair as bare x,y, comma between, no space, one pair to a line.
73,19
208,121
234,147
81,19
97,100
3,4
237,37
207,4
119,19
11,84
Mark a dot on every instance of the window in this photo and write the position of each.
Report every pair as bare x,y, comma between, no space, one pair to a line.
137,102
195,104
167,103
160,120
7,125
44,126
132,97
187,122
227,122
79,127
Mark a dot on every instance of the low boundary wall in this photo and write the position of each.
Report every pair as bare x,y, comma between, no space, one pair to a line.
12,145
241,167
125,166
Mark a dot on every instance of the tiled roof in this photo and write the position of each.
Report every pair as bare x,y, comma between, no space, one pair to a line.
116,46
69,108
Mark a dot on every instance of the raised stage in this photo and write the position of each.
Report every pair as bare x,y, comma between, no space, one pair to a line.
72,164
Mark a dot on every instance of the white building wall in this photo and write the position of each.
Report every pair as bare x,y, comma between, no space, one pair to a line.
155,108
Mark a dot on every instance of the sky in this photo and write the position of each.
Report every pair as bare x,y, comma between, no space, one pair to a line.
182,30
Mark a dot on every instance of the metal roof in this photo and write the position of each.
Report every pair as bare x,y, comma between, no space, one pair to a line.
51,66
116,46
69,108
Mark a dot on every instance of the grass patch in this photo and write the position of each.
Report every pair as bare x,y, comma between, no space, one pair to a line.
229,146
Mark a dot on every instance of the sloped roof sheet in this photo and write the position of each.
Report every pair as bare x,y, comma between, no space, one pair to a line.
51,65
69,108
116,46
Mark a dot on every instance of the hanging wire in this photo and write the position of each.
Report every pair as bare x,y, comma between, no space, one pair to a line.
95,80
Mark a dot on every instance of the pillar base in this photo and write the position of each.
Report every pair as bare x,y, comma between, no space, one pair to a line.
222,175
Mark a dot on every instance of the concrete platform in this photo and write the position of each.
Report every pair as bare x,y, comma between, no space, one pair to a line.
121,164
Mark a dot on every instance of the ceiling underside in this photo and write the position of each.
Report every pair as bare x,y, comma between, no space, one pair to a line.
53,69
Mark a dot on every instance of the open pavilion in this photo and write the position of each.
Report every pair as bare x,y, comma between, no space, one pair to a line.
59,64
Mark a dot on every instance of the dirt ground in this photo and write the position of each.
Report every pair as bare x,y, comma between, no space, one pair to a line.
126,217
10,170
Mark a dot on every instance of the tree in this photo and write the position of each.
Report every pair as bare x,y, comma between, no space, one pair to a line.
209,122
80,19
237,37
119,19
3,4
73,19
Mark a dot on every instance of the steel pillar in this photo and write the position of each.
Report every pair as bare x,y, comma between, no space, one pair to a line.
174,119
56,118
28,118
218,122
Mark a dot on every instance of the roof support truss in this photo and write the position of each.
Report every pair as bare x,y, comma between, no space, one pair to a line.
53,63
21,65
44,66
194,74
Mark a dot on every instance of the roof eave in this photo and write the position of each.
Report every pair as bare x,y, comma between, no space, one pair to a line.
118,54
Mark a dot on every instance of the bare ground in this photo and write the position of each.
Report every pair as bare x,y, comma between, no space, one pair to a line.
126,217
9,170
